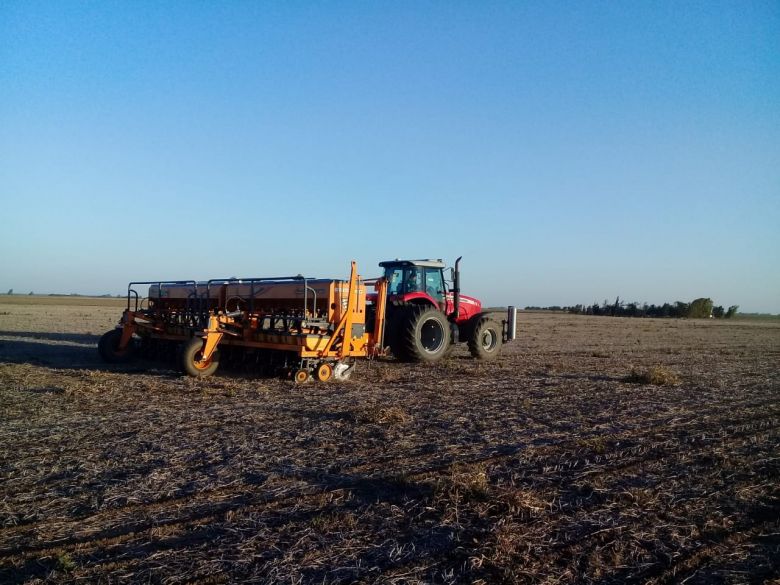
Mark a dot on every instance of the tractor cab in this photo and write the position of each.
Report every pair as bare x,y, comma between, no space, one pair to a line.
415,279
422,283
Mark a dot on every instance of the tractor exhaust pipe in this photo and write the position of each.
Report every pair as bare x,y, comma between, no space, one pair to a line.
456,288
511,323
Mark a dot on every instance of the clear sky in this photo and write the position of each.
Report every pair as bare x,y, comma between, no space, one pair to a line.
570,151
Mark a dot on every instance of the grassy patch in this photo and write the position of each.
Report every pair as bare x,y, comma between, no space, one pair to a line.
657,376
464,481
391,415
334,522
65,563
598,445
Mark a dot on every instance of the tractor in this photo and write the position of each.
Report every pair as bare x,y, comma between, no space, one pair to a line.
425,318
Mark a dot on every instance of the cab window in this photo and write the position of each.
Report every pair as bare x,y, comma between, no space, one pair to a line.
413,280
394,278
433,283
404,280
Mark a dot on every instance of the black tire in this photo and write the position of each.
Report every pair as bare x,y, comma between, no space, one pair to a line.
424,335
486,339
189,359
394,322
454,340
108,348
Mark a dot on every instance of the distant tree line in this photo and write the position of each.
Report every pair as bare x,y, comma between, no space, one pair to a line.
106,296
702,308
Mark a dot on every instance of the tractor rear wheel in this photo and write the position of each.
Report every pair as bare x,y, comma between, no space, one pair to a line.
108,347
424,335
191,362
485,341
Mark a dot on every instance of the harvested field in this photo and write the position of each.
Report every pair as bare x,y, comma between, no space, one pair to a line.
595,450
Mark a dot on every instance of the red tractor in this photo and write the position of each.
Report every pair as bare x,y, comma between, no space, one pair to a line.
425,317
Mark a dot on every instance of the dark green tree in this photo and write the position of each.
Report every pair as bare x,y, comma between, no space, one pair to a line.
700,309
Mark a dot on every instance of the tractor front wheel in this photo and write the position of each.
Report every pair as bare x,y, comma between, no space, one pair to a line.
191,361
424,335
108,348
485,341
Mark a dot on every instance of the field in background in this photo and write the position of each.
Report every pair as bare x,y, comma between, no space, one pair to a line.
63,300
553,464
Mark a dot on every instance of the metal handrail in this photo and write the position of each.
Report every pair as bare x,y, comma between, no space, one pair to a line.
252,281
159,284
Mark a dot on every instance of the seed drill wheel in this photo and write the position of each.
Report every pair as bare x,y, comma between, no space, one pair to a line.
108,347
324,372
301,376
485,341
191,361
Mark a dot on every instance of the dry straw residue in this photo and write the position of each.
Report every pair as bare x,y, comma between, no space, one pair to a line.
390,415
453,473
657,375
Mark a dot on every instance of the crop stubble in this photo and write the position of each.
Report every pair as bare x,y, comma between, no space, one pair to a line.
548,465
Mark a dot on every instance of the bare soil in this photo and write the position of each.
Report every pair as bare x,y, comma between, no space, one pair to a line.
556,463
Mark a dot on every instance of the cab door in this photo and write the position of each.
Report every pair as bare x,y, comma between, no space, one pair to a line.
434,286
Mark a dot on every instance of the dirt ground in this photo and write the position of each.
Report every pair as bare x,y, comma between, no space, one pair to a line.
552,464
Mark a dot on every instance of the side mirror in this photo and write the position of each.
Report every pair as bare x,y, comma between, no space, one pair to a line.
452,274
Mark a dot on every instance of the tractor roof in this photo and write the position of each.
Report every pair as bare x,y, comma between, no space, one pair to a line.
400,263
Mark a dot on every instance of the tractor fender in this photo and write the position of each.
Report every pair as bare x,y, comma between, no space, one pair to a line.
416,298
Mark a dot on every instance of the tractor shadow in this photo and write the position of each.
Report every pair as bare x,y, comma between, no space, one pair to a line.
58,350
66,351
74,338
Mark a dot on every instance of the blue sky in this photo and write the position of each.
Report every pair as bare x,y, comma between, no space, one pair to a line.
571,152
